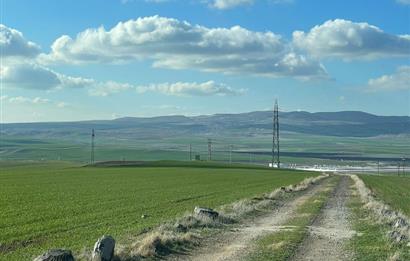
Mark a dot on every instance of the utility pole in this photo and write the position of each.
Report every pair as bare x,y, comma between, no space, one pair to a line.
275,136
92,147
190,152
209,149
402,165
378,167
230,154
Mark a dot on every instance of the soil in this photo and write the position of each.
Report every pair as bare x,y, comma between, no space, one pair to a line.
239,242
330,230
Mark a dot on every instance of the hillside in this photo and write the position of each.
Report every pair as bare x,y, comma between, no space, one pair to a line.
341,124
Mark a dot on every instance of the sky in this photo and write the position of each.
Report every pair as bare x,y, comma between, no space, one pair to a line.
84,60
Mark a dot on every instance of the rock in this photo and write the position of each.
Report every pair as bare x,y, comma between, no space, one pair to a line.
396,236
206,212
104,249
387,212
282,188
56,255
400,223
180,228
143,216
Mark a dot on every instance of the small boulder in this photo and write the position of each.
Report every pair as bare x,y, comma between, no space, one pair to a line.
396,236
400,223
208,212
56,255
180,228
104,249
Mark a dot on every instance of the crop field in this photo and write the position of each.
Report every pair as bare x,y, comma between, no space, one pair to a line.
112,147
394,191
62,205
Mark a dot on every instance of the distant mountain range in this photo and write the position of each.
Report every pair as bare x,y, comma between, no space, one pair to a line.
341,124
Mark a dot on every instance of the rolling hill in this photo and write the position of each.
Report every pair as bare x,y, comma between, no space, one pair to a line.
341,124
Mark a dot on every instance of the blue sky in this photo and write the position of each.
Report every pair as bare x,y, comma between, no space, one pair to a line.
72,60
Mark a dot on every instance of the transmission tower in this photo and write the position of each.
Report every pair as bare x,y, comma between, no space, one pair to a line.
230,154
275,136
92,147
209,149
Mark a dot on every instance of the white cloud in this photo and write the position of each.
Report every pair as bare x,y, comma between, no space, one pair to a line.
175,44
400,80
20,70
403,2
26,100
227,4
148,1
157,1
28,76
37,77
107,88
23,100
62,104
34,76
13,43
209,88
350,40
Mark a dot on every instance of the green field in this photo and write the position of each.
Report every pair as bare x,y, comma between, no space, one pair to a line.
370,242
395,191
113,147
55,205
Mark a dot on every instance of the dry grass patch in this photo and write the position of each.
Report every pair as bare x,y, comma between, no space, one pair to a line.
185,232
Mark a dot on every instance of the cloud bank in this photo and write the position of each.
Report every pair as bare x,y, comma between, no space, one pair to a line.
349,40
175,44
37,77
21,70
209,88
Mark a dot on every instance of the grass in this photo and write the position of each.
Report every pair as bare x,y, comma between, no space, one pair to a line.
55,205
371,242
76,147
394,191
282,245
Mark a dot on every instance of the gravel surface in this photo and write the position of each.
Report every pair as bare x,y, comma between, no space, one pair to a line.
239,242
330,230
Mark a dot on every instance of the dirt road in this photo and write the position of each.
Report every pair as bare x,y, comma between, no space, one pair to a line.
330,230
236,244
